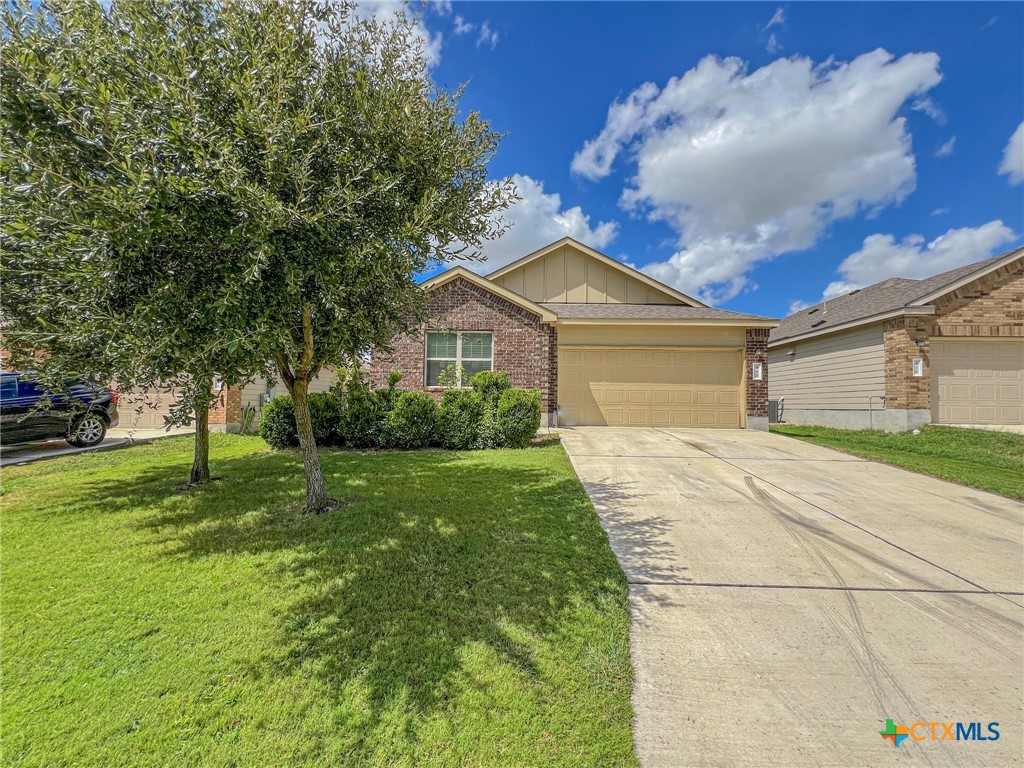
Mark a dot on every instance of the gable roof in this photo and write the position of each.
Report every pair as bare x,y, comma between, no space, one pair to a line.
448,275
890,297
606,260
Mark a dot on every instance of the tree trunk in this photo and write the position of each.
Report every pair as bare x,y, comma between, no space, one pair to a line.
201,462
317,500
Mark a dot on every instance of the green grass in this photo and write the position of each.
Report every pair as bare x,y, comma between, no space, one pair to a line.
992,461
458,610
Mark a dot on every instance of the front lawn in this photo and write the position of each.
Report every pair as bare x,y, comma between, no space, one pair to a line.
458,610
992,461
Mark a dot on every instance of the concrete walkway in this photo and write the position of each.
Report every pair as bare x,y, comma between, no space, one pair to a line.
27,453
788,599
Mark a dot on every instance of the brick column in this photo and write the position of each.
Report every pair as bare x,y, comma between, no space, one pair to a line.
756,351
903,390
226,412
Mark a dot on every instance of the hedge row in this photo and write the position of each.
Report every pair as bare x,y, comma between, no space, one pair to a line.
492,414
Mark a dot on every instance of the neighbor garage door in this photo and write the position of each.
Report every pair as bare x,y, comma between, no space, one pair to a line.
648,387
145,408
977,381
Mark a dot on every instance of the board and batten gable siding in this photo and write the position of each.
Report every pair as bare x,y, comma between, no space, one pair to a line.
839,371
568,275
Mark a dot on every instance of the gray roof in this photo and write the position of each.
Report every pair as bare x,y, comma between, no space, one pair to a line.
645,312
886,296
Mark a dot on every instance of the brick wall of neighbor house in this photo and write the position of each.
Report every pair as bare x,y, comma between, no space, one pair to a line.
756,351
521,343
226,413
991,307
902,389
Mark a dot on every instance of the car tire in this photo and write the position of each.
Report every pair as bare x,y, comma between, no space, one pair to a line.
87,431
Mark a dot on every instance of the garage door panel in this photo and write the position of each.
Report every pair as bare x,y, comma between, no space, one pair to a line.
641,387
978,381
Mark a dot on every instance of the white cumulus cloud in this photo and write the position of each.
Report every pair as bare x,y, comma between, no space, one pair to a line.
881,257
536,220
747,165
1013,157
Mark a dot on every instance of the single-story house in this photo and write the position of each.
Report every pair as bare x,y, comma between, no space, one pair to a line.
604,343
948,349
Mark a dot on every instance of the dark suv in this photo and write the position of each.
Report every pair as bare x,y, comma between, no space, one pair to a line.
81,415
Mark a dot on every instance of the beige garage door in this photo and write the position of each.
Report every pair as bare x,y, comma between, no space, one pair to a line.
977,381
649,387
145,408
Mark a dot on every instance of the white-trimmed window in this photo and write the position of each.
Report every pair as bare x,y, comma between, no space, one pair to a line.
468,351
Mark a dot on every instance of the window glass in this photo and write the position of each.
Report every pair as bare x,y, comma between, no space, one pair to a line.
474,366
8,387
470,350
476,346
443,345
434,368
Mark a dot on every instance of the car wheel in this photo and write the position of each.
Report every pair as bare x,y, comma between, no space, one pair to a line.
87,431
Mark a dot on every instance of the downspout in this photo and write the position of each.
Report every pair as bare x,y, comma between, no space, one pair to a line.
871,420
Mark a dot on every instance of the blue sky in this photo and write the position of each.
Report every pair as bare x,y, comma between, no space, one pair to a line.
757,155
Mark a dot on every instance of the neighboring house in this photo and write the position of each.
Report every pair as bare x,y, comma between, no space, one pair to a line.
604,343
948,349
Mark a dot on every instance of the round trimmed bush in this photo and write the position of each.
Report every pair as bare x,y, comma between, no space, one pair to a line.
412,423
277,423
458,419
488,386
518,416
325,414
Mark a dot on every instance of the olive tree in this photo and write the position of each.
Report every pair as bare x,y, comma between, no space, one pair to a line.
295,158
121,249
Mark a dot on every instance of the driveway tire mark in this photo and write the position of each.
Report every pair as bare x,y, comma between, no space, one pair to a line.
842,519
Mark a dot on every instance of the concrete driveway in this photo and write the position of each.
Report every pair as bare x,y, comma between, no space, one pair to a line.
29,453
788,599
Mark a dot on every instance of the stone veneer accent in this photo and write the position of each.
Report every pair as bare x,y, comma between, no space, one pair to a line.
522,345
756,351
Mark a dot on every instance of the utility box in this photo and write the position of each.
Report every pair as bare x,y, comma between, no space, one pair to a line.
773,412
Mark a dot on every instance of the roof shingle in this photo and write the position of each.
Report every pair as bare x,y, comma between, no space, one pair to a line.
886,296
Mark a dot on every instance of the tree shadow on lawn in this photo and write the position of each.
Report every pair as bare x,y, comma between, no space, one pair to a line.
431,554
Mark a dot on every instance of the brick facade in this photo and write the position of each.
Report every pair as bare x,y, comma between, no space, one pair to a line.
906,338
990,307
522,345
226,413
756,351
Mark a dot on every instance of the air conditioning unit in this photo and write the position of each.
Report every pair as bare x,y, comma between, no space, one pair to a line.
773,412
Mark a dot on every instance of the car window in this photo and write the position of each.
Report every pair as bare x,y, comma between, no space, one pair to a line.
8,387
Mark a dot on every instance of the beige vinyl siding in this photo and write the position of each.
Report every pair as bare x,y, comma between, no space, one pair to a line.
839,371
649,336
251,392
569,275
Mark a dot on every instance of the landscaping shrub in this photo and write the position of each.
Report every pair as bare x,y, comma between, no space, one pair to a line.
518,416
487,388
458,419
277,423
412,423
325,413
363,416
